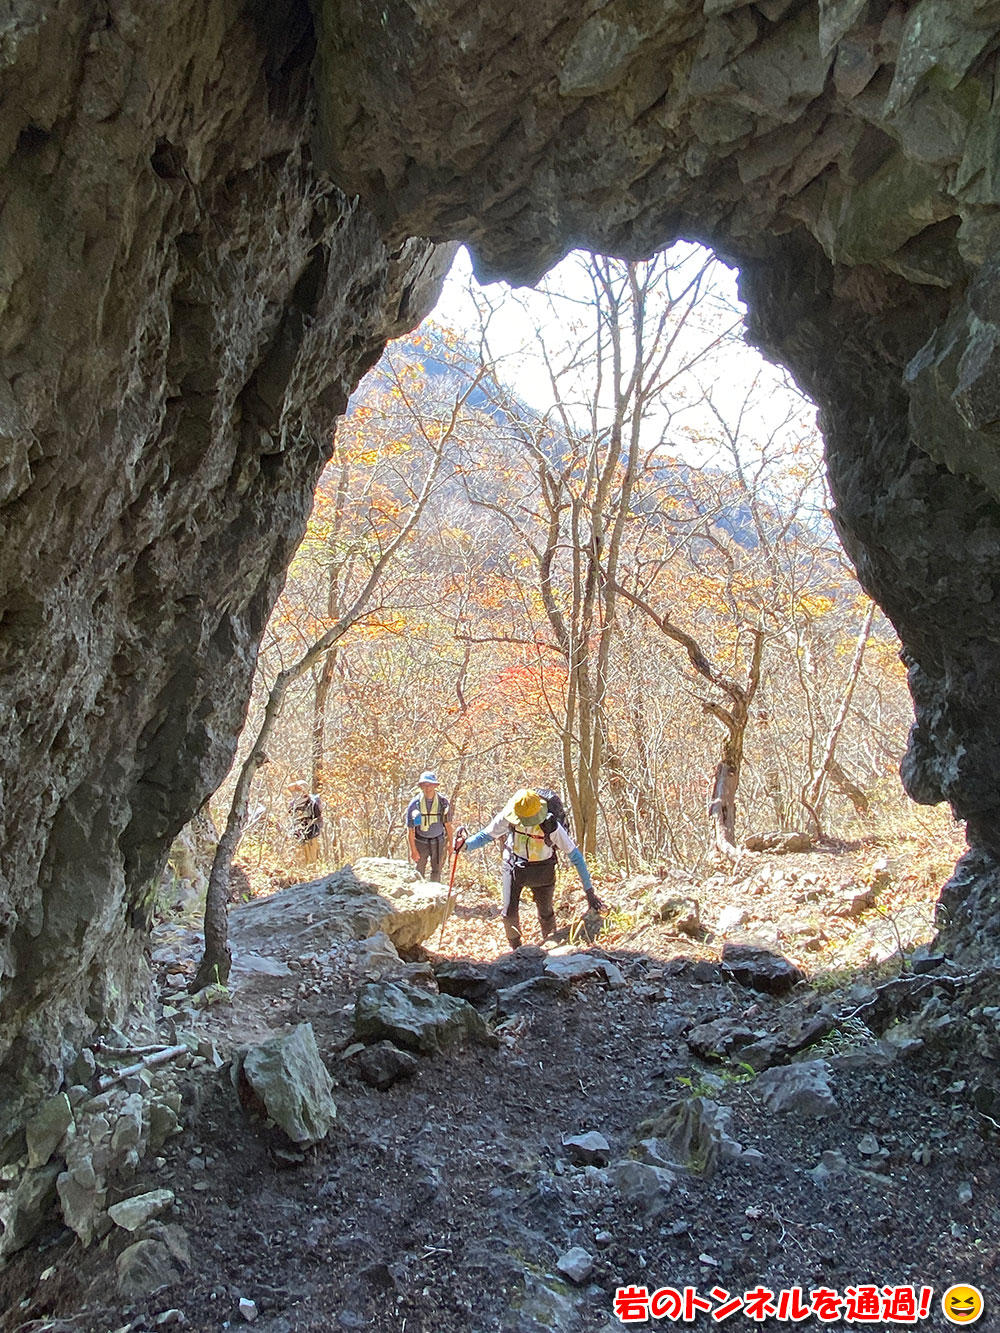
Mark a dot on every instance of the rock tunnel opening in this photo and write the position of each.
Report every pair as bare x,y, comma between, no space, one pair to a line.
413,398
521,381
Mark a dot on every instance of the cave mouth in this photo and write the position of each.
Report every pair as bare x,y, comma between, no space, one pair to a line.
217,226
842,157
728,488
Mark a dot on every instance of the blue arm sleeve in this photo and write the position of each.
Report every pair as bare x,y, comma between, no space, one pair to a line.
580,866
477,840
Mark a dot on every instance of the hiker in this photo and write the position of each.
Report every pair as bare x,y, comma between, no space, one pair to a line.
306,813
428,824
533,828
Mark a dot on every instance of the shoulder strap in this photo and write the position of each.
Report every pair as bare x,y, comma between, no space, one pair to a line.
515,831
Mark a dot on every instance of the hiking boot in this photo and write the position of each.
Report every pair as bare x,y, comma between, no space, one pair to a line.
512,929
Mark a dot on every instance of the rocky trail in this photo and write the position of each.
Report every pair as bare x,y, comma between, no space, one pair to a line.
673,1108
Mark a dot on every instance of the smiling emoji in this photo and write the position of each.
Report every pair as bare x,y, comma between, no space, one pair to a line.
962,1304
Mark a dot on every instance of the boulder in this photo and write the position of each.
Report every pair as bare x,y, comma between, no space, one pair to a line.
649,1151
511,998
760,969
127,1132
541,1305
761,1054
163,1119
801,1088
286,1081
47,1128
82,1196
375,895
576,1264
591,1149
469,981
378,956
384,1064
577,966
414,1018
642,1184
831,1163
173,1236
146,1267
719,1038
25,1208
82,1070
131,1214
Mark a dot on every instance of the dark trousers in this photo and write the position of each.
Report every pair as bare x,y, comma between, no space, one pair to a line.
513,879
432,848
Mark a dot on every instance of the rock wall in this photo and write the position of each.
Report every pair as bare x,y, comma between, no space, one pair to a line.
187,300
185,308
845,154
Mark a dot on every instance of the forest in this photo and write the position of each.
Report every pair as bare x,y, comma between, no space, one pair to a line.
622,581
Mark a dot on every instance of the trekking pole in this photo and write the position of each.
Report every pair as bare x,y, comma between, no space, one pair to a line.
451,885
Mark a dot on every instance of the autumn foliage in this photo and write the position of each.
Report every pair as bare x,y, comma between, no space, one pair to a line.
598,591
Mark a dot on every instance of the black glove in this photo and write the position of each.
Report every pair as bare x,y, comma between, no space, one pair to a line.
461,835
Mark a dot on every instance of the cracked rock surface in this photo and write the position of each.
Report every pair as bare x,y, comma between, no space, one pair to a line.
185,308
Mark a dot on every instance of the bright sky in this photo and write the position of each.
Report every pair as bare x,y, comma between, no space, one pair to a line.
728,374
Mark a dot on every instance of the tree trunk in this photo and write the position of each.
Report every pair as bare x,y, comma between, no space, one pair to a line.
846,784
722,810
217,959
722,804
321,694
812,797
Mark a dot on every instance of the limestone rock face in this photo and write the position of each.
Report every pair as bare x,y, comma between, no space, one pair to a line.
184,308
844,154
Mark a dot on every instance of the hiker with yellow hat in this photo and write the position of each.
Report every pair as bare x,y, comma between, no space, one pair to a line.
532,827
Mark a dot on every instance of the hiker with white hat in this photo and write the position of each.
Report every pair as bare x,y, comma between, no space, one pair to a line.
428,824
533,830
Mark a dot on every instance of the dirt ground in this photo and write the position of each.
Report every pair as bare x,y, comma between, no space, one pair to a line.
445,1202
